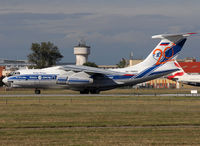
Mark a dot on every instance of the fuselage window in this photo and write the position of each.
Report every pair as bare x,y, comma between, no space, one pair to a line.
16,73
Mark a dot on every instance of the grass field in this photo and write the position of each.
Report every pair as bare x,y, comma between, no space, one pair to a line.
103,120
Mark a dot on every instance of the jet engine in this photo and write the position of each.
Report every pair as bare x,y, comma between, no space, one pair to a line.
79,78
62,79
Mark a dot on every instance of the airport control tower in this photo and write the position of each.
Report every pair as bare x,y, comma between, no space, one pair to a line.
131,61
81,51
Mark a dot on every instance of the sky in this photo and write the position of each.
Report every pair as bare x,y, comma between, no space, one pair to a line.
113,28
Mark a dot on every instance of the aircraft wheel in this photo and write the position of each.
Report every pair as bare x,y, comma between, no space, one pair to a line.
37,91
84,91
94,91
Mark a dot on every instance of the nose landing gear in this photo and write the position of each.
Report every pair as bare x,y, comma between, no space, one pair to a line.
37,91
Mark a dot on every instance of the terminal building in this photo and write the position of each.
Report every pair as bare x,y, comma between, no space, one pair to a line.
14,64
6,66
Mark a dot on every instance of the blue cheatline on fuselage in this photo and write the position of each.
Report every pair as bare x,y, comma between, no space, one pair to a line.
34,77
175,49
78,81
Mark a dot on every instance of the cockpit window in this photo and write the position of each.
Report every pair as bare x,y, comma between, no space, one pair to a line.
14,73
17,73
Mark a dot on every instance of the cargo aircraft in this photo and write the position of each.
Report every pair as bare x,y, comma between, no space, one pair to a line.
92,80
185,78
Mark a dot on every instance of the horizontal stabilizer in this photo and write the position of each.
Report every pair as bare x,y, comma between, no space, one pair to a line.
180,35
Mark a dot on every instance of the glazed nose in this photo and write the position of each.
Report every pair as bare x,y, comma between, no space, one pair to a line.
5,80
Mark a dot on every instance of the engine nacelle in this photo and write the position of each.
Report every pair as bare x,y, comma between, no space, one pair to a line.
62,79
79,78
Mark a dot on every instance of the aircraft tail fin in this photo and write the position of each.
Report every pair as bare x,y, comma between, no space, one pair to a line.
179,73
167,49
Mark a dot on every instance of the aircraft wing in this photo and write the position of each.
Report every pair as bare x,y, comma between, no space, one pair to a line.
90,70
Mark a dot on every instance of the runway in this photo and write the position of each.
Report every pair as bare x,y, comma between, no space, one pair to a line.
96,95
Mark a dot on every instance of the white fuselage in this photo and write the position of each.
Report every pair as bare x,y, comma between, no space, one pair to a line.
190,79
58,77
158,63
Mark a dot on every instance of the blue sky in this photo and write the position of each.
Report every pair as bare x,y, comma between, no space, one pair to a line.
113,28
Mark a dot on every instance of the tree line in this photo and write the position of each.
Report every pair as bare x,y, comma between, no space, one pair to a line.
46,54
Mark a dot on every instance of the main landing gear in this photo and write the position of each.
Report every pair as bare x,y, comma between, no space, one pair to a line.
93,91
37,91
